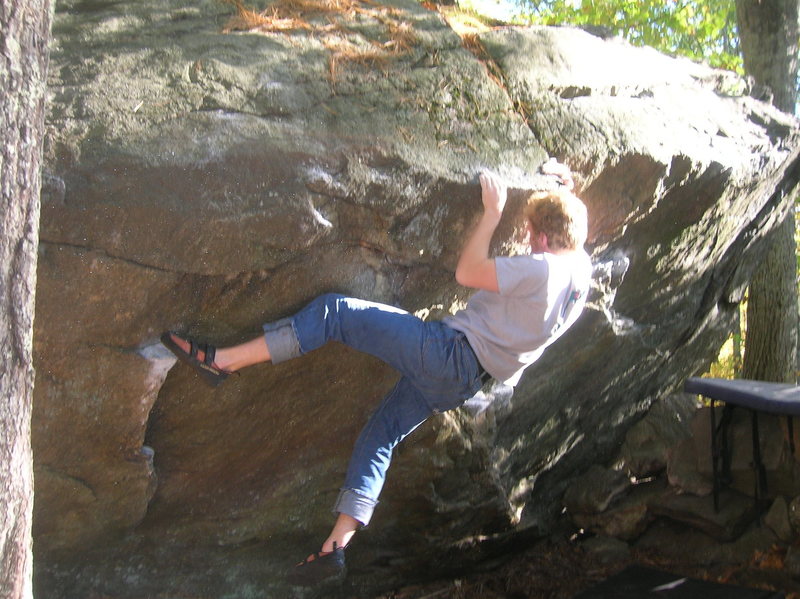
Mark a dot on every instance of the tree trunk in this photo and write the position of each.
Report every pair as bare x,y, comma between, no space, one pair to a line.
768,31
771,340
24,35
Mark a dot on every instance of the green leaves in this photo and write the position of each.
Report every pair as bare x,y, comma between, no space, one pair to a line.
704,30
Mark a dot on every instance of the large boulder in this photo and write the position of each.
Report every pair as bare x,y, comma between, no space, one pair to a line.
207,182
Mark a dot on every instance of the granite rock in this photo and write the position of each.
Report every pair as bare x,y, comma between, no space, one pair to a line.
207,182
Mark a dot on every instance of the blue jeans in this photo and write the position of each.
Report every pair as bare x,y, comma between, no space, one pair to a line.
438,367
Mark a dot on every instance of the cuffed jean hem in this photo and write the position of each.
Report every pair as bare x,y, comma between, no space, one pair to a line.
355,505
281,340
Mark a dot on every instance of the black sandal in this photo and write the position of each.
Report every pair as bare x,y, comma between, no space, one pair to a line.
211,374
320,567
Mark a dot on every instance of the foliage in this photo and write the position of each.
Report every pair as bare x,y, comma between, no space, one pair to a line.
703,30
728,364
466,19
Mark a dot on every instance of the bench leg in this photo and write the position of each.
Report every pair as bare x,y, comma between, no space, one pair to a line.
758,465
727,450
714,456
720,450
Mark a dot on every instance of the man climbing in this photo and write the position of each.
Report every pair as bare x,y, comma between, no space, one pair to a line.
522,305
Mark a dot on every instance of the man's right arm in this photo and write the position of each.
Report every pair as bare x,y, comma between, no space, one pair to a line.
475,267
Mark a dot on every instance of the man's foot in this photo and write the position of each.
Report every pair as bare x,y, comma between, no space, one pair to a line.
198,356
320,567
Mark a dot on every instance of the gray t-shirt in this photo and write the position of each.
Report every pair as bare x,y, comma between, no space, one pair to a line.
540,296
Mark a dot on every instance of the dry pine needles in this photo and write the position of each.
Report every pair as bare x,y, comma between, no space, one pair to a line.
326,20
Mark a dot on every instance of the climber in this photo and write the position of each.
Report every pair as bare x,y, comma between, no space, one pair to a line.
523,304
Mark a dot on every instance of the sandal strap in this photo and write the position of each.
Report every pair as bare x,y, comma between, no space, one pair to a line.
311,558
318,554
210,352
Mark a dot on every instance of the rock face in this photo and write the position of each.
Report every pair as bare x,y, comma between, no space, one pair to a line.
207,182
667,510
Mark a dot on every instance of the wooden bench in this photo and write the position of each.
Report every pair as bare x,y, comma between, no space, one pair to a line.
755,396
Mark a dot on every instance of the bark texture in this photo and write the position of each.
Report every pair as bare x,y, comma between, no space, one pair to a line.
771,346
769,32
24,34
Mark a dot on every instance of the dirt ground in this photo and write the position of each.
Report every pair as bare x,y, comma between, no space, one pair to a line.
561,570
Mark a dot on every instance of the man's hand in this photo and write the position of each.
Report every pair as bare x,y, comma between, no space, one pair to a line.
493,194
555,168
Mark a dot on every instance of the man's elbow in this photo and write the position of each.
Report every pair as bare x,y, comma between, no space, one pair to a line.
461,276
466,276
477,278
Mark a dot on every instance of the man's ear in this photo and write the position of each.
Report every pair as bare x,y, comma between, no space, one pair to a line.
543,241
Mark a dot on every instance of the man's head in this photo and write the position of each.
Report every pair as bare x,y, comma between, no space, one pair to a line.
560,216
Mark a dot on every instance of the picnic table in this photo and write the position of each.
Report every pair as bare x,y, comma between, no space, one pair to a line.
755,396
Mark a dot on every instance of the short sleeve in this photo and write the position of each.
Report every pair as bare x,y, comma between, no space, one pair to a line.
520,275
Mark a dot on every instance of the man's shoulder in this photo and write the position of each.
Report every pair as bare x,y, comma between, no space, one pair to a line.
577,261
521,274
524,264
582,261
581,269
